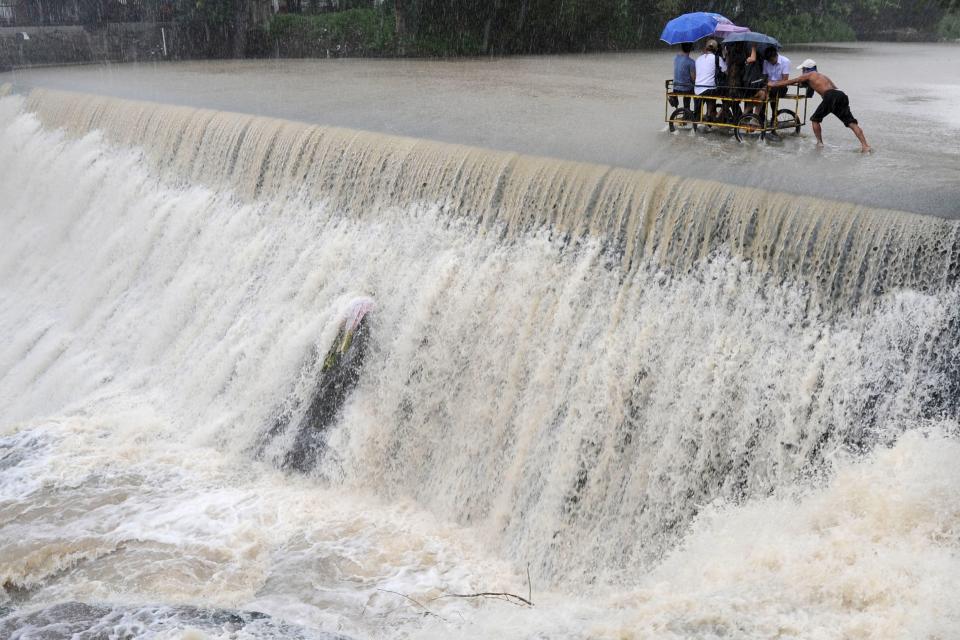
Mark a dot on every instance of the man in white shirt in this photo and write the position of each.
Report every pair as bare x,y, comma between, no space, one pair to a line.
775,65
706,82
777,68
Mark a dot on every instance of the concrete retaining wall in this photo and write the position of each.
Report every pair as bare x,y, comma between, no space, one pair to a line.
117,42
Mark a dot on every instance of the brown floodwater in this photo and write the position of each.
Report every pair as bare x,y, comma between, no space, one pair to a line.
656,407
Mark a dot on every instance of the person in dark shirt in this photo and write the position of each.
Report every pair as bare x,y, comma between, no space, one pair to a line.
684,73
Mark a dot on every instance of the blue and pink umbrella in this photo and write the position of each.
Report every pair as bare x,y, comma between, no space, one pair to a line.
690,27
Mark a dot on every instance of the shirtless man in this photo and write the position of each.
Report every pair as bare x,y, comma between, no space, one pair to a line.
834,101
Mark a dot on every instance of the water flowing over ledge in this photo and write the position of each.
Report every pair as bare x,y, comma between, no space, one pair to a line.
844,250
675,452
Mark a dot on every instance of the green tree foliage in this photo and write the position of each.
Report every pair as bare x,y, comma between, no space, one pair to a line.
223,24
482,27
354,32
807,28
518,26
444,27
209,11
949,27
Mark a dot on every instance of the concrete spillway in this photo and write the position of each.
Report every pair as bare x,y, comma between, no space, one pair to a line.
669,397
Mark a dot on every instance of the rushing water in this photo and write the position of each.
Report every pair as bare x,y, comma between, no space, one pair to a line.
606,108
658,407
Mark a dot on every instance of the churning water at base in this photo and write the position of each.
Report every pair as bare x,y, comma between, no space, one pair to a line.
689,410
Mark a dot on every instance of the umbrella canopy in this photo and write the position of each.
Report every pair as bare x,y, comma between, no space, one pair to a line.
724,29
752,37
690,27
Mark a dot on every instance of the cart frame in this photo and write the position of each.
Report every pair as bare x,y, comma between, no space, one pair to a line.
745,124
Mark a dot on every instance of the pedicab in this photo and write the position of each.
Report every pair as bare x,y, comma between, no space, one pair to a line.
745,117
740,109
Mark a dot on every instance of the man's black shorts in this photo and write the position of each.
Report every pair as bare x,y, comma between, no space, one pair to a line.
837,103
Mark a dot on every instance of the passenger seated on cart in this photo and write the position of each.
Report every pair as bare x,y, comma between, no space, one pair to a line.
753,81
707,66
834,101
684,75
735,55
777,67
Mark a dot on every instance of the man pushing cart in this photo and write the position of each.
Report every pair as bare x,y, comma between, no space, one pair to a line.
724,104
834,101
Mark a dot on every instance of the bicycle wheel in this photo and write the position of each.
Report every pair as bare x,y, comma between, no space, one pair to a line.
787,119
681,119
749,128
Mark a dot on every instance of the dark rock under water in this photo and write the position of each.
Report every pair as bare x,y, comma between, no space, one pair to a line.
339,373
332,390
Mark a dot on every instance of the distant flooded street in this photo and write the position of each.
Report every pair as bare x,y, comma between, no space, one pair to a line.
604,108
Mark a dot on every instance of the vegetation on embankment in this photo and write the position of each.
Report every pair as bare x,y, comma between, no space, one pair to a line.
949,27
354,32
468,27
179,29
807,28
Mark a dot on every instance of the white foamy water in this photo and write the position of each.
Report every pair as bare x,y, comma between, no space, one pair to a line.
715,449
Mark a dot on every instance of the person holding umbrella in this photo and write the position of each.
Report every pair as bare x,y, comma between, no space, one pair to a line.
689,28
834,101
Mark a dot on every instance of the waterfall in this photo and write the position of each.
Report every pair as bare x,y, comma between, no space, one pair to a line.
843,250
572,360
